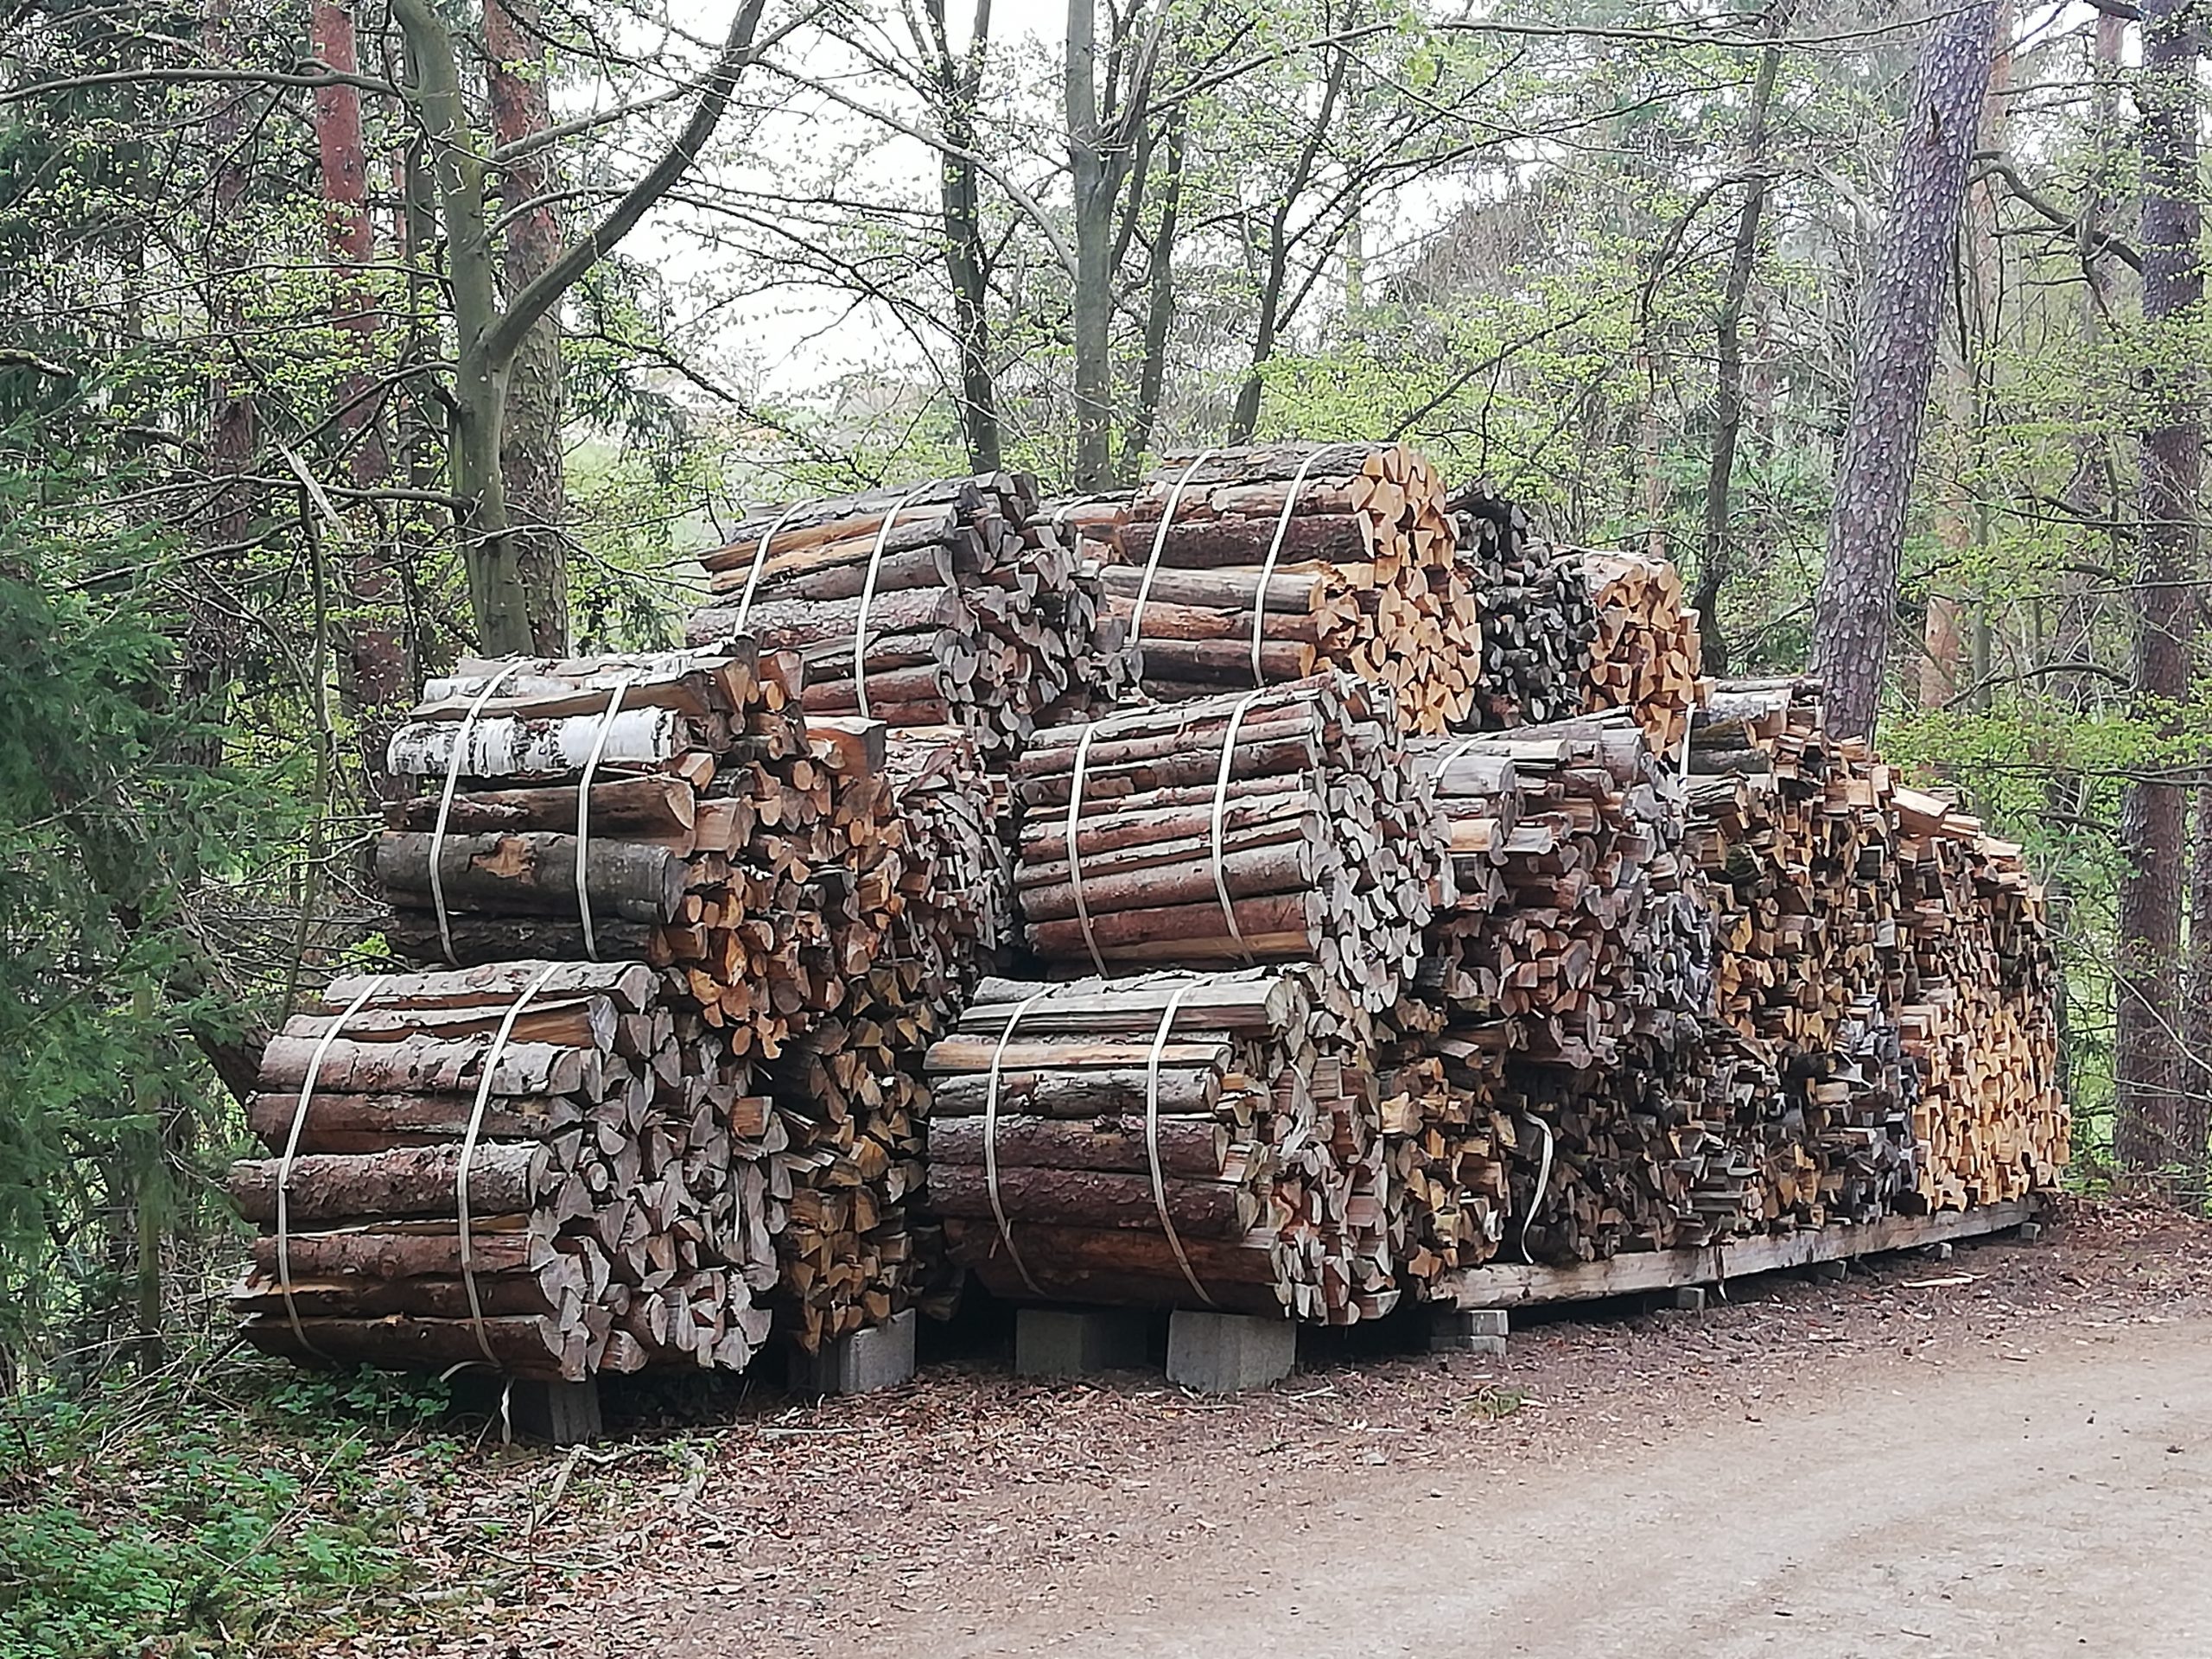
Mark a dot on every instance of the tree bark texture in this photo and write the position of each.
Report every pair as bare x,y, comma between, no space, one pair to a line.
377,675
2147,1060
958,85
1094,230
1899,324
517,74
1728,361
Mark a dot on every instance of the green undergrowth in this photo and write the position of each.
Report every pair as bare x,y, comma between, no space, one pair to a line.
211,1508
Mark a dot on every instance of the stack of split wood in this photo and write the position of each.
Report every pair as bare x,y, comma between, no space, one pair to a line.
1277,826
674,808
819,892
1980,1023
1571,919
955,911
1171,1140
551,1169
1646,655
1255,566
1538,621
954,602
1448,1143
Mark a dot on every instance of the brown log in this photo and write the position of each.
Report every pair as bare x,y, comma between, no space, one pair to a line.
536,872
408,1183
1193,1149
1088,1197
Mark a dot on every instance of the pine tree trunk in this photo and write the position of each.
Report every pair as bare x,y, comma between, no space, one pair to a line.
517,75
2148,1067
1898,323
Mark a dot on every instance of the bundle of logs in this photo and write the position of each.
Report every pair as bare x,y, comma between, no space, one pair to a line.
1538,620
954,602
1255,566
1646,655
551,1169
1169,1139
817,890
674,808
1274,825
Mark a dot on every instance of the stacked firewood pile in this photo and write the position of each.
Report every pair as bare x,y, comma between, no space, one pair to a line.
549,1168
1254,566
1174,1139
1646,654
1274,825
818,893
954,602
675,808
1981,1027
1538,620
1567,865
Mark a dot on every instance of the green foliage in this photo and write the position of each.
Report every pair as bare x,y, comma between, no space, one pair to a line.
114,809
206,1514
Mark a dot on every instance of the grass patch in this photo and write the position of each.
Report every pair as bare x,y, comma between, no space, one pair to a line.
211,1508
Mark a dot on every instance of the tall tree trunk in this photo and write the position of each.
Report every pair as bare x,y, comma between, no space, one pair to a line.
2146,1057
1855,612
967,260
1160,306
1715,556
1094,233
518,75
375,676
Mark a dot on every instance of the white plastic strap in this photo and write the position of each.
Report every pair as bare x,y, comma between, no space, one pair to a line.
1268,564
1152,1142
292,1152
1543,1180
1220,811
760,563
445,804
991,1141
868,594
583,813
1075,858
1459,750
1160,543
468,1152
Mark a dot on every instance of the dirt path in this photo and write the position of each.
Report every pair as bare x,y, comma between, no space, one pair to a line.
2056,1503
1964,1460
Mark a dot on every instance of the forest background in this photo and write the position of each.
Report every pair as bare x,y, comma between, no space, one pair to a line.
339,340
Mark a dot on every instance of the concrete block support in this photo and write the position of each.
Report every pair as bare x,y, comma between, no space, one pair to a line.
1466,1330
1681,1299
879,1358
1076,1342
1223,1353
560,1413
1829,1272
1940,1252
2030,1232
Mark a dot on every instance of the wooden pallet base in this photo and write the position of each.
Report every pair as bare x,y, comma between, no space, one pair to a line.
1511,1285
